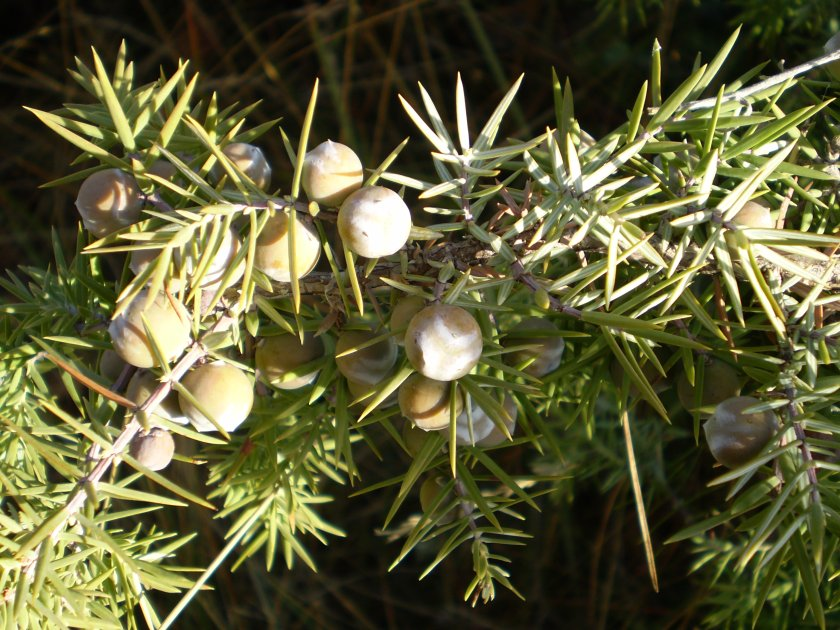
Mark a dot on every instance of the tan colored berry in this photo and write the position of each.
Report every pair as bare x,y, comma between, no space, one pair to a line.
426,402
754,214
216,269
168,320
443,342
142,385
414,437
221,390
109,200
111,365
406,308
374,221
430,491
735,436
331,171
364,392
368,365
154,449
279,359
250,160
545,348
273,248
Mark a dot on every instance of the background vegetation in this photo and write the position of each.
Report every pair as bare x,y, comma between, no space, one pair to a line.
586,566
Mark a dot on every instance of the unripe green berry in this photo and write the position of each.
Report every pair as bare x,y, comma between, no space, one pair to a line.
142,385
368,365
546,350
168,320
374,221
272,250
735,436
406,308
443,342
720,381
251,161
279,358
154,449
109,200
222,391
426,402
331,171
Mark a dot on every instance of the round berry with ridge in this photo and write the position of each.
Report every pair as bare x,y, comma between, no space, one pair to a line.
720,381
168,321
367,365
279,359
109,200
540,345
427,402
443,342
331,171
405,308
250,160
222,391
142,385
374,221
734,435
754,214
273,249
154,449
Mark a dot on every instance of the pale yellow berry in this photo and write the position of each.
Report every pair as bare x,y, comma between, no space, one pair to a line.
443,342
273,244
331,171
168,320
109,200
221,390
544,347
154,449
142,385
406,308
754,214
368,365
735,436
374,221
250,160
427,402
279,359
215,270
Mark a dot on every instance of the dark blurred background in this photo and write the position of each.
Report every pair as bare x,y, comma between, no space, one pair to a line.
586,567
